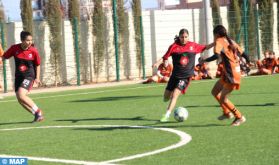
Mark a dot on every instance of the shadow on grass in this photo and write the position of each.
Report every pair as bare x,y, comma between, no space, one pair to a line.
237,105
138,118
236,94
112,128
116,98
21,122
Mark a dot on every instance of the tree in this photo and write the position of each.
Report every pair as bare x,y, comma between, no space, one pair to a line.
2,20
252,31
27,15
2,12
234,18
54,19
123,25
99,40
74,12
216,12
136,9
266,23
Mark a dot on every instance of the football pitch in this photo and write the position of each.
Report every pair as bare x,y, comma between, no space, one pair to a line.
119,125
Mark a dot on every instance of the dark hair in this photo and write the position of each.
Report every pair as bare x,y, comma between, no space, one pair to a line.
221,31
24,34
182,31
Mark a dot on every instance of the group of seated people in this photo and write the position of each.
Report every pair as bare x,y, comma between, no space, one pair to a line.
268,65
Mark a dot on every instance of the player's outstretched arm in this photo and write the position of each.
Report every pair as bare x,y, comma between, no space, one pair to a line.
209,59
209,46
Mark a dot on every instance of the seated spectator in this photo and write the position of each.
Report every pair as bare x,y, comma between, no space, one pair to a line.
162,75
267,65
261,63
196,75
201,71
244,67
204,71
277,67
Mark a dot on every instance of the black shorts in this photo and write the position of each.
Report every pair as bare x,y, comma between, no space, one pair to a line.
181,84
24,82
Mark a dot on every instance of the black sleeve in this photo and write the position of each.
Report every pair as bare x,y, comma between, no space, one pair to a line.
212,58
246,57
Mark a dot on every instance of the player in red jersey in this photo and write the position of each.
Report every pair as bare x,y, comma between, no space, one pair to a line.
163,73
27,71
183,53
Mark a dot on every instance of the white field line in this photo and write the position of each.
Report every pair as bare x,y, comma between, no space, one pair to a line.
96,92
54,160
184,139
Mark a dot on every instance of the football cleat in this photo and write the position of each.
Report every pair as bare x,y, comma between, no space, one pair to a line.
164,119
38,116
225,116
239,121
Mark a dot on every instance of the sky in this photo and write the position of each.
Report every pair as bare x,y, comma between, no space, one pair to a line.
12,8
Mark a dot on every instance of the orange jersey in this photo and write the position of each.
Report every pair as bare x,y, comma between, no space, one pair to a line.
270,64
277,68
165,71
231,70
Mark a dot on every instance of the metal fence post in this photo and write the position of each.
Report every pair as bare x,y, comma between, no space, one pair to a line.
245,11
4,62
77,50
115,27
257,31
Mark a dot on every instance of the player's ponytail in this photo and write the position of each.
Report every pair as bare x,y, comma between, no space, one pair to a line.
176,39
221,31
231,46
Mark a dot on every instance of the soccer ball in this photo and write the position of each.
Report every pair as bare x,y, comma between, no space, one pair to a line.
180,114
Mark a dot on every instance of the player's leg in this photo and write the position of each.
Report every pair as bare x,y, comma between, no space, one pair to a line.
266,71
239,118
172,103
177,86
23,100
167,95
216,92
169,89
22,87
155,78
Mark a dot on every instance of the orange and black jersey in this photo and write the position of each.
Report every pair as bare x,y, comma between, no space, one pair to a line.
183,58
230,60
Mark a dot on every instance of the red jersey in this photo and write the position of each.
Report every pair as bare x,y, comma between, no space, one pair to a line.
25,60
183,58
